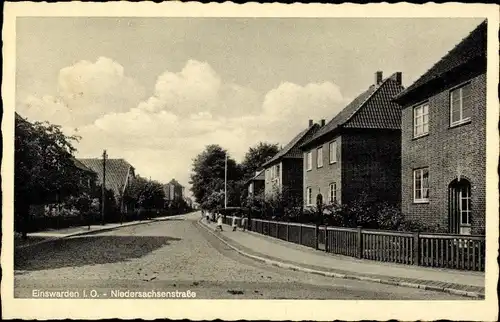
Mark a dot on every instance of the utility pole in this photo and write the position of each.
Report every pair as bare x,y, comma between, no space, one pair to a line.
103,186
225,182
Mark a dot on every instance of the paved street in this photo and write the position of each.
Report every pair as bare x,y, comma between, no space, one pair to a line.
180,255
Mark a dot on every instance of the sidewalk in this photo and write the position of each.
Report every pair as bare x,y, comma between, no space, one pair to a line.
53,234
293,256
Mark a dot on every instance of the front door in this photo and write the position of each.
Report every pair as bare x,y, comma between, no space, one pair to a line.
459,208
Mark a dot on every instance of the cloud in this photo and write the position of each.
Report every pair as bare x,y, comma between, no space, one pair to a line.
86,92
189,110
197,87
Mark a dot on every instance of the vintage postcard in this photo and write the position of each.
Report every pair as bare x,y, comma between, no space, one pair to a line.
258,162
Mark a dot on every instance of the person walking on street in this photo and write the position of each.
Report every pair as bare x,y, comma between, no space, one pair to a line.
233,223
244,222
219,222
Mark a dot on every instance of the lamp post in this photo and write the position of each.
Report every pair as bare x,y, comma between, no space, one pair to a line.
225,182
103,200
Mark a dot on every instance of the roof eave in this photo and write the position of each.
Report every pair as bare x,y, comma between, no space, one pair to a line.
404,97
314,141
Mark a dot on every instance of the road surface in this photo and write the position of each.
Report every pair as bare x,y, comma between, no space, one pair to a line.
182,260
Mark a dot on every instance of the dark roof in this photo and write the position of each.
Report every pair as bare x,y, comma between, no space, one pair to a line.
258,176
470,48
292,149
81,166
117,171
372,109
174,183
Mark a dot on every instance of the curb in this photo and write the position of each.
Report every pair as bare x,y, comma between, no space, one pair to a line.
344,276
82,233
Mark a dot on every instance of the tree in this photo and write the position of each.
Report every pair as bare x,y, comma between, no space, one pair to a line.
44,167
256,157
208,174
145,194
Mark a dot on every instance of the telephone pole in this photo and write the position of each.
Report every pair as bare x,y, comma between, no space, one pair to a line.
225,182
103,186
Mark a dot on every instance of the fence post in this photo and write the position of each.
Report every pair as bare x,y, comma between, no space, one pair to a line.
316,234
277,232
326,238
416,248
287,231
300,234
360,243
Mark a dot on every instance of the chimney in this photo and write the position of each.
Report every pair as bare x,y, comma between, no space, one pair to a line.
310,123
378,77
322,122
398,77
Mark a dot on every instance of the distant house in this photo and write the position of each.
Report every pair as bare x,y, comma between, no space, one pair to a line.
256,184
173,191
358,151
88,176
119,175
283,172
444,140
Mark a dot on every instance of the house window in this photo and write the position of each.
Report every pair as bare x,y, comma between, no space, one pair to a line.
460,105
465,206
308,196
333,192
319,161
333,152
420,120
421,185
309,160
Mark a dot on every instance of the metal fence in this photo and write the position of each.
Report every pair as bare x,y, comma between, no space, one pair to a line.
465,252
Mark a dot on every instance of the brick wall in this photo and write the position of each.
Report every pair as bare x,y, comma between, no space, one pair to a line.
444,150
371,164
319,179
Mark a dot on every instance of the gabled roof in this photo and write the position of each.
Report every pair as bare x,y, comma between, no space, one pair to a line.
292,149
470,48
260,175
372,109
117,171
174,182
81,166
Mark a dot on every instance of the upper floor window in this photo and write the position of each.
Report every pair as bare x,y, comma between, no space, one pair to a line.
333,192
309,160
420,120
319,161
421,185
333,152
308,196
460,105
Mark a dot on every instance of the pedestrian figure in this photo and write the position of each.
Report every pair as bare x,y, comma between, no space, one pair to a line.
233,223
244,223
219,222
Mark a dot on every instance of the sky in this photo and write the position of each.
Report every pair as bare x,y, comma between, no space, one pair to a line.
156,91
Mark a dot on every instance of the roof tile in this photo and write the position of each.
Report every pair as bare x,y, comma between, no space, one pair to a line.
116,172
471,47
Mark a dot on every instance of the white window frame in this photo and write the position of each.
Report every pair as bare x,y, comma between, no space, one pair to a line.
467,211
462,120
308,196
332,148
319,157
309,161
332,197
419,120
421,188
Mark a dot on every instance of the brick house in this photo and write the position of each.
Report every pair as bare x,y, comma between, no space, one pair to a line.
444,140
283,172
173,191
358,151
